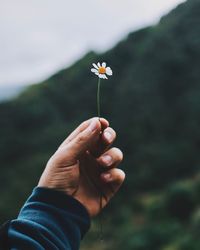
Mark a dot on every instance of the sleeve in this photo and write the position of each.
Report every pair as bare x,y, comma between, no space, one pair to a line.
50,220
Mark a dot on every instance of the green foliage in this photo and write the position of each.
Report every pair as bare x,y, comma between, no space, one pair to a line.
153,103
180,202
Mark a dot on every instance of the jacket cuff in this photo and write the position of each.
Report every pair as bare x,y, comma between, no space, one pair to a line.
61,200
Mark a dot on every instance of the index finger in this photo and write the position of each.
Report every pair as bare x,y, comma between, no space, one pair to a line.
82,127
106,138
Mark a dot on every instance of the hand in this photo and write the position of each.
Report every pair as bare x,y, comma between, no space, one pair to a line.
84,166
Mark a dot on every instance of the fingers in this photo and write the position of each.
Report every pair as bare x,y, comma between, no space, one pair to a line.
82,127
110,158
114,175
114,178
108,136
81,143
105,141
111,176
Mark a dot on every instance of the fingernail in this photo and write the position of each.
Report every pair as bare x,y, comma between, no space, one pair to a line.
93,126
107,176
108,136
107,159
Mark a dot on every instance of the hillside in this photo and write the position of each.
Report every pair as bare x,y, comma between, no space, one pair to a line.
155,109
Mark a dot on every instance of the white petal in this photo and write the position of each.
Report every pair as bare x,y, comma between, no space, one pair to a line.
99,65
94,70
95,65
104,76
109,71
97,73
104,64
101,76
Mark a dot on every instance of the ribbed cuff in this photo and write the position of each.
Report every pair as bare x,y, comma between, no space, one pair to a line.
62,201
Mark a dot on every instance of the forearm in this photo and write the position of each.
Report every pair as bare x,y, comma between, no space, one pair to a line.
49,220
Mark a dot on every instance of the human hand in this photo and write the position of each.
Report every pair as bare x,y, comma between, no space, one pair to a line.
84,166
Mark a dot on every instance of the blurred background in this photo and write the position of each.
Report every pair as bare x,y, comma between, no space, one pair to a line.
47,89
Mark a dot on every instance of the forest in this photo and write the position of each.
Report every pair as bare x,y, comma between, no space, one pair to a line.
153,102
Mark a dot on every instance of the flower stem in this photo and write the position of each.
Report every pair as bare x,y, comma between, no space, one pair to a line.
98,98
101,196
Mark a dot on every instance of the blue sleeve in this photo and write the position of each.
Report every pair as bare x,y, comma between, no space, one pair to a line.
50,220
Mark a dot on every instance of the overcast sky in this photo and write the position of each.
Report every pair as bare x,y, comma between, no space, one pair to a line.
39,37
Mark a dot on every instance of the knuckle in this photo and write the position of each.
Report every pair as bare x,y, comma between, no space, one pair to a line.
84,125
80,139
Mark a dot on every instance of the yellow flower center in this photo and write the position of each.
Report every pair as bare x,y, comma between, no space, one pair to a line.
102,70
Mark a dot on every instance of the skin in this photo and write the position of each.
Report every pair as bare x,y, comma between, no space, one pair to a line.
85,165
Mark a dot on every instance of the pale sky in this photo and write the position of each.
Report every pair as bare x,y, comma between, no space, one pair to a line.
40,37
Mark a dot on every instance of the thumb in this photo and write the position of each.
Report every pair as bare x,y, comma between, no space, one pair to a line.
82,142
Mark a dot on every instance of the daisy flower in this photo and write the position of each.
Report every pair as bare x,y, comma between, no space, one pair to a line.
101,70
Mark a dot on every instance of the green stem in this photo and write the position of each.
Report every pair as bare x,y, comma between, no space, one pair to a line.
101,196
98,98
